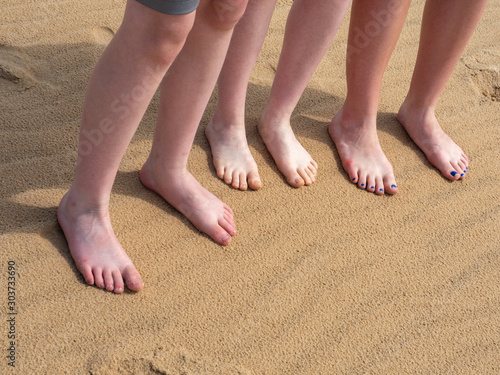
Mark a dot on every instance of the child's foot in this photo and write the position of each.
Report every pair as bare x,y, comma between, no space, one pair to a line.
94,247
180,189
441,151
362,157
231,156
293,161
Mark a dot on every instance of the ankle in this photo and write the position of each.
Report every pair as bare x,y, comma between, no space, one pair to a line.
76,203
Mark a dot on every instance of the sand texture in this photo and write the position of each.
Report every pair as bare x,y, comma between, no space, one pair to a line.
325,279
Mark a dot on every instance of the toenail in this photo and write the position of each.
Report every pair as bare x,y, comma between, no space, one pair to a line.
372,187
462,175
381,189
465,171
362,184
137,281
453,173
466,167
354,179
393,186
119,290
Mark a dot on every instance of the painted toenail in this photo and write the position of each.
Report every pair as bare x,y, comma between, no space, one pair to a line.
466,167
393,186
362,184
453,173
372,187
465,171
462,175
381,189
354,179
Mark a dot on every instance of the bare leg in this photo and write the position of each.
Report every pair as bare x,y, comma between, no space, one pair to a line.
374,29
121,86
186,90
309,32
226,132
446,28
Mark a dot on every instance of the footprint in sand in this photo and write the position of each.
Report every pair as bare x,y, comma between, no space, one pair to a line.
484,68
103,35
16,67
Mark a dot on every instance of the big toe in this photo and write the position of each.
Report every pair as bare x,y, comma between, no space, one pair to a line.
132,278
254,181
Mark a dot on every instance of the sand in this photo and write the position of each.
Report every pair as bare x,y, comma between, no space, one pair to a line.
325,279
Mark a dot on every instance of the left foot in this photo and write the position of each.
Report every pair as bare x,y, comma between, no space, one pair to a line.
423,127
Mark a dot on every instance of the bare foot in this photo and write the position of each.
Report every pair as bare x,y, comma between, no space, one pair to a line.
94,247
293,161
362,157
180,189
440,150
231,156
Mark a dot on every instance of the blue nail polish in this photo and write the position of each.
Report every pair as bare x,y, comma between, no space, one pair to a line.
393,186
354,179
362,184
381,189
466,167
372,187
465,171
462,175
453,173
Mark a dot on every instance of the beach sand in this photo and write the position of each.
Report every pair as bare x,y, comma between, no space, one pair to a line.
325,279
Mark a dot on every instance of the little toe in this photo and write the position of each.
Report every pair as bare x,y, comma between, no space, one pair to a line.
132,278
118,281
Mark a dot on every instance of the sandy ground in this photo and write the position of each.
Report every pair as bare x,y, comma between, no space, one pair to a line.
325,279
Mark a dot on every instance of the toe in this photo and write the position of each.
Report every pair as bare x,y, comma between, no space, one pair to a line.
362,182
370,184
86,271
243,181
235,180
254,181
98,279
295,179
108,280
305,176
132,278
228,177
390,186
118,281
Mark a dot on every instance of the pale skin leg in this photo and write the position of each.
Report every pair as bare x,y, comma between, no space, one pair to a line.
226,131
309,32
121,86
447,26
354,129
185,92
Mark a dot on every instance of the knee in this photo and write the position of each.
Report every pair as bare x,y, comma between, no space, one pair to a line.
224,14
167,36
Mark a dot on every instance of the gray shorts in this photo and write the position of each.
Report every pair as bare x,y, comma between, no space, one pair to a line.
171,6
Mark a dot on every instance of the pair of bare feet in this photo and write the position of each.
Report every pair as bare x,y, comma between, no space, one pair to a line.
94,247
102,260
356,141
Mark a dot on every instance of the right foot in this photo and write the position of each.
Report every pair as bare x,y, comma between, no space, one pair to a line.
180,189
94,247
293,161
362,157
231,156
